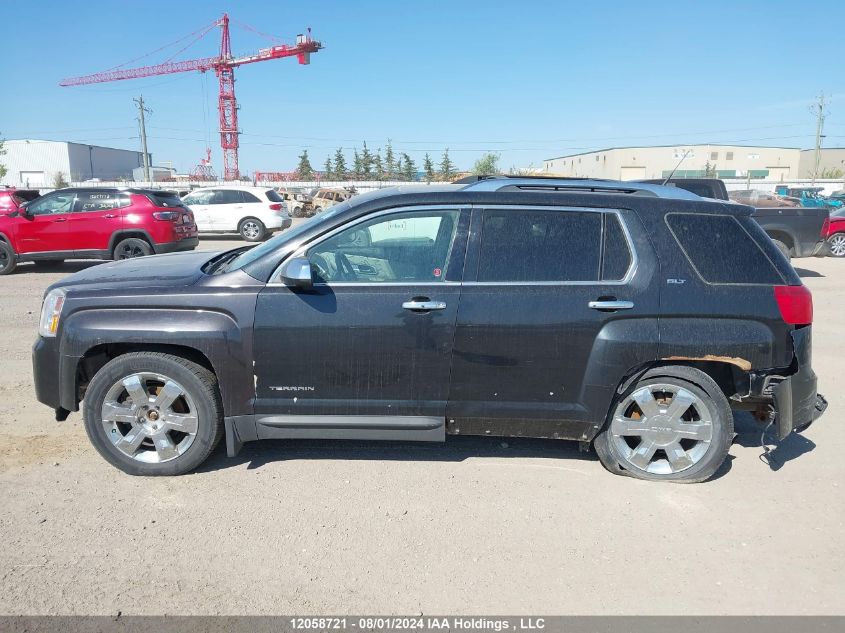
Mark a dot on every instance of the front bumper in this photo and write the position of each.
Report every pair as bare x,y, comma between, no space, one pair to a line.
796,401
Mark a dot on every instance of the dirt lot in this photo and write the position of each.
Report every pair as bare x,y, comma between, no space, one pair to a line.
475,525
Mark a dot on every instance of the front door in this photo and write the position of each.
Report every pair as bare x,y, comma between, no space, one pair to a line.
366,352
44,227
558,303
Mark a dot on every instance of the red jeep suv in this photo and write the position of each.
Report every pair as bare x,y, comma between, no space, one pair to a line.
95,223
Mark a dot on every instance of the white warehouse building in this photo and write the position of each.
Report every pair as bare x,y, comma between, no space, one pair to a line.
34,163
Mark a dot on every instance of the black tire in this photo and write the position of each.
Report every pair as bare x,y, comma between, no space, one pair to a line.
297,212
252,229
783,248
701,386
8,259
198,381
132,247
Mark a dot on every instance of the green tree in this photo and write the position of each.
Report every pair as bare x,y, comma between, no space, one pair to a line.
389,162
304,171
340,171
59,181
378,165
366,163
447,167
827,172
408,168
3,168
327,169
487,165
428,168
709,170
357,165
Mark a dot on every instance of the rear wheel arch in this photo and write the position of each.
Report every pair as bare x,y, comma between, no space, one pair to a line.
729,377
124,234
782,236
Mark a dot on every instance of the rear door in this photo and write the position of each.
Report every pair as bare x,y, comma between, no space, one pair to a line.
558,309
45,228
226,209
95,218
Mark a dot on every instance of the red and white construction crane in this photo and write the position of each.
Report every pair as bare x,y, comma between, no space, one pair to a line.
224,66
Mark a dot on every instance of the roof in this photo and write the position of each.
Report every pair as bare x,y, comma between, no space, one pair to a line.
684,145
41,140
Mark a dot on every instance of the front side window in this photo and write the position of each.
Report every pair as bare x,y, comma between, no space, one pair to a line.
226,196
538,245
402,247
52,204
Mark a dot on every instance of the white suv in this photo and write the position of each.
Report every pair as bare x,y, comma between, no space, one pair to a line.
254,212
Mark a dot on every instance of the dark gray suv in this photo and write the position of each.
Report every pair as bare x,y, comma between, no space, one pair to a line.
629,317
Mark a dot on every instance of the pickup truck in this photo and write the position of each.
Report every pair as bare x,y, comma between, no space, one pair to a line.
797,231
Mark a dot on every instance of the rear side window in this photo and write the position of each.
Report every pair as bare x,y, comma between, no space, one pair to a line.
165,199
248,197
721,250
617,254
540,246
226,196
274,196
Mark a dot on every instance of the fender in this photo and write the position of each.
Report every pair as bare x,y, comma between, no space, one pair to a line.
121,233
213,334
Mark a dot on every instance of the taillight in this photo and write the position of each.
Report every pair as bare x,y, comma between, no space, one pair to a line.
795,304
276,206
826,226
168,216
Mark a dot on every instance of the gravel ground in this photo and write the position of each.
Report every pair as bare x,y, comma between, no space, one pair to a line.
477,525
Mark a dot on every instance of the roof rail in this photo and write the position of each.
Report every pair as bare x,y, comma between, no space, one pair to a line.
547,183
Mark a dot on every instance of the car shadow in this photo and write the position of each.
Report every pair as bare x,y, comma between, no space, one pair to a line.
804,272
455,449
65,267
749,434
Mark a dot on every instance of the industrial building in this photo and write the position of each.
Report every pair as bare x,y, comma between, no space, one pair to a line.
831,162
37,163
688,161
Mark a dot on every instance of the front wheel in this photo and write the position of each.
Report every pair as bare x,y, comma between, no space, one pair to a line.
149,413
783,248
836,243
252,230
674,424
8,259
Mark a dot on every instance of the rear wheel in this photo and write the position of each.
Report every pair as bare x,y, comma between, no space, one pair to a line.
8,259
836,243
149,413
783,248
252,230
132,247
674,424
297,212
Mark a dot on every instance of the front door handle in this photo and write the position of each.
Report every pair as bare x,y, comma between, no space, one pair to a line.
610,305
60,220
110,216
418,305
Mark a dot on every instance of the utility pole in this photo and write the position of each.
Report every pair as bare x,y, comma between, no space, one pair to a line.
143,128
818,110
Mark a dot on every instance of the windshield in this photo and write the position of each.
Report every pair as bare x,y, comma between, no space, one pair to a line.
290,235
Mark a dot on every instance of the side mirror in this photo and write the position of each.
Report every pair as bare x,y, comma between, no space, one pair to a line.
297,273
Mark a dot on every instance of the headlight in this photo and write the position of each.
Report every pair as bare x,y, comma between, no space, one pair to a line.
51,310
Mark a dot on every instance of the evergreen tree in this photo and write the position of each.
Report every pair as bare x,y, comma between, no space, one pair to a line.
357,166
447,167
366,163
339,172
3,169
428,168
378,165
389,162
409,168
327,169
304,171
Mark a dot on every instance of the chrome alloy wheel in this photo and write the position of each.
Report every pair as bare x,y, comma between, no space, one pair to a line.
837,244
251,230
149,417
661,429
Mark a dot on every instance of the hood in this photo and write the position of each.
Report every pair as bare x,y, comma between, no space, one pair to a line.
155,271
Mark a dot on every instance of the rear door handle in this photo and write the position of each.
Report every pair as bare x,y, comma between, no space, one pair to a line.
611,304
424,306
110,215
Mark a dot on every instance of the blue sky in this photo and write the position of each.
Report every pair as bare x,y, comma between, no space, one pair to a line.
523,79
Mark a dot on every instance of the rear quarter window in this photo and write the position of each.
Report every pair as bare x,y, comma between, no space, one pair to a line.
165,199
721,250
274,196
